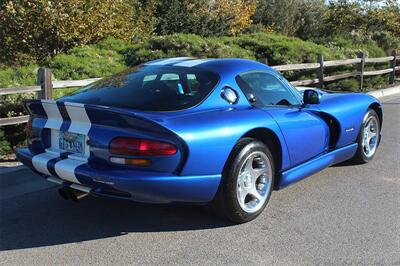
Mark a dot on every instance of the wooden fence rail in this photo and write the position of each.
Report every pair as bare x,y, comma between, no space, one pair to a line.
46,85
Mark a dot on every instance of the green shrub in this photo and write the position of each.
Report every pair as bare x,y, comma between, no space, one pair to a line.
183,45
87,62
21,76
112,44
350,47
280,49
5,147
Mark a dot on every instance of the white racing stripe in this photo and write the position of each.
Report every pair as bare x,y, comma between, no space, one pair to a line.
40,161
65,169
80,122
169,61
54,118
192,63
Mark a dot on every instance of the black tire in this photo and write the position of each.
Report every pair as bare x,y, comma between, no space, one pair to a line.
225,202
360,157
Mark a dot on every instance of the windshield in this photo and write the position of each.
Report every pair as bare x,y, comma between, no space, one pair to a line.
149,88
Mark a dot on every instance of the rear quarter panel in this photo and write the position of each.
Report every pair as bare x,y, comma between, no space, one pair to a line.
211,136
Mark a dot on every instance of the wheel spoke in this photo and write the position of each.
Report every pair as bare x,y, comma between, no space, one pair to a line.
249,164
254,193
255,173
242,193
371,135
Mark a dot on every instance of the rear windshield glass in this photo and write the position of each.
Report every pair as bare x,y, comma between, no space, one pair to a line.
149,88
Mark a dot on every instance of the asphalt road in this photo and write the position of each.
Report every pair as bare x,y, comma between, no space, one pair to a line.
344,215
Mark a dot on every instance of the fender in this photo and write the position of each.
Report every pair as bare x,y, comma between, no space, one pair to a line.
348,109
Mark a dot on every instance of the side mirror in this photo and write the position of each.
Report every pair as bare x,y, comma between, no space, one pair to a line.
229,95
311,97
251,98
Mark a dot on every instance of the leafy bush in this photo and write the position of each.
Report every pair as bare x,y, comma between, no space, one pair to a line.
90,61
349,47
5,147
13,135
183,45
21,76
280,49
41,28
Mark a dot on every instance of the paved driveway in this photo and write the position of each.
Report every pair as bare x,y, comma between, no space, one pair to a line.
344,215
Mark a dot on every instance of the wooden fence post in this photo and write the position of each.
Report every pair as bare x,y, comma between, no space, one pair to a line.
321,71
360,69
44,80
392,76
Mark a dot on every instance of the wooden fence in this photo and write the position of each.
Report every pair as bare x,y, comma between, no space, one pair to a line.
46,84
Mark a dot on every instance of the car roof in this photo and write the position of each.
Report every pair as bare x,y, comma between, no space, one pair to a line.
222,66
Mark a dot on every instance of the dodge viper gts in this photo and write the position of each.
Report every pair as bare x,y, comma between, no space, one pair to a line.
224,132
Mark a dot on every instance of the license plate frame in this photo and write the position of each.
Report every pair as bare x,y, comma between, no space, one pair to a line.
71,142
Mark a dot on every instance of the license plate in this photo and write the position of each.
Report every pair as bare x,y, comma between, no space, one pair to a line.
72,142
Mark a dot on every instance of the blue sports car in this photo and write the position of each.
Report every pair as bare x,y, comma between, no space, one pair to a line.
225,132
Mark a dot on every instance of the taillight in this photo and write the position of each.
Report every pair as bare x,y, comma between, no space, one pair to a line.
141,147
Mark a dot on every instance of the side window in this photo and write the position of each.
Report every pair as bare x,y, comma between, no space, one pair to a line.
267,88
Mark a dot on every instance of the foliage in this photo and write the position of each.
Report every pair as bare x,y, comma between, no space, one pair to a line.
235,15
20,76
10,105
182,45
291,17
42,28
32,31
99,60
369,20
5,147
344,17
280,49
144,20
350,47
204,18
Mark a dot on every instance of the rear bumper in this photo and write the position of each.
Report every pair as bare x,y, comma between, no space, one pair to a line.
142,186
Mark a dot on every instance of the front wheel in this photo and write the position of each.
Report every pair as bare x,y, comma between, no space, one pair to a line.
247,182
368,138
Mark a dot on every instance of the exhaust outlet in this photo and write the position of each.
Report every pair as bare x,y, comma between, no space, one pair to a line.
77,195
73,194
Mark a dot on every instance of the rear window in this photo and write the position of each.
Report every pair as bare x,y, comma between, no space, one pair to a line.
149,88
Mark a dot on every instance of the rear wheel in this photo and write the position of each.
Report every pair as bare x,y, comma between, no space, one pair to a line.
368,138
247,182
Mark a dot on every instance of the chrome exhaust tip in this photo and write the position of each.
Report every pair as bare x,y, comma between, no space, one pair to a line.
76,195
73,194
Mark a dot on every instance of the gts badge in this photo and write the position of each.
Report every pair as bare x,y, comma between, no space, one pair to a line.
350,129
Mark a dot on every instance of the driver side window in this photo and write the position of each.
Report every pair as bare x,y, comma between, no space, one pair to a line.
267,88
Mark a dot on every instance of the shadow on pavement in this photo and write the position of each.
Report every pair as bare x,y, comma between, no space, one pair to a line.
42,218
